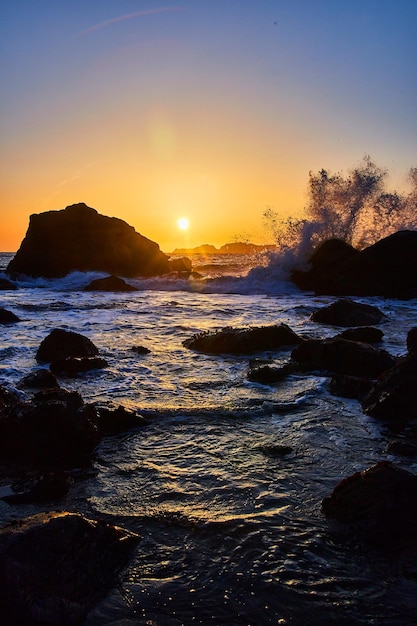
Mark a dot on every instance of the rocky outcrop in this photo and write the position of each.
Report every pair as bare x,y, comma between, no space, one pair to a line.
386,268
346,312
110,283
60,344
393,398
55,566
341,356
79,238
7,317
244,340
380,501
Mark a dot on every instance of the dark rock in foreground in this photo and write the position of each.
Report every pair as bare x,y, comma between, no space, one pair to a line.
7,317
381,501
244,340
39,379
353,387
412,340
110,283
60,344
79,238
6,285
346,312
56,429
48,487
341,356
55,566
268,374
73,365
366,334
394,396
387,268
118,420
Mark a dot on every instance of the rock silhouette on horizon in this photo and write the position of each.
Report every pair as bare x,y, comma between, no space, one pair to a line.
79,238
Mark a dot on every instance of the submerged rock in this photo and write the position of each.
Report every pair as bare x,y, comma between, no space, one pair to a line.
346,312
114,421
39,379
110,283
7,317
60,344
365,334
79,238
140,350
341,356
381,501
55,566
73,365
244,340
268,374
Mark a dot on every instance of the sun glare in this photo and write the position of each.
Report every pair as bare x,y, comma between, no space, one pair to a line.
183,223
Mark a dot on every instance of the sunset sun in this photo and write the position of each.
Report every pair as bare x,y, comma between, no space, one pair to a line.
183,223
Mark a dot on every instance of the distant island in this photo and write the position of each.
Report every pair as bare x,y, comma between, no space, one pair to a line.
228,248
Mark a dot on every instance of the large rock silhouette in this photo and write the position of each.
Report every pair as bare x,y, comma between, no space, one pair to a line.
79,238
387,268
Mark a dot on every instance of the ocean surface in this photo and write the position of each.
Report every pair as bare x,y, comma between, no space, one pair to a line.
232,531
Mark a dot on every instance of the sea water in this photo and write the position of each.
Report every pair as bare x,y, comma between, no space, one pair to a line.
231,530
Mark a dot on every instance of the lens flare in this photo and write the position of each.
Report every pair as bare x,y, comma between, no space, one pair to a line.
183,223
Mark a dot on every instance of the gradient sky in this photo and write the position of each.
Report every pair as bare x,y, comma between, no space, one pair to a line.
208,109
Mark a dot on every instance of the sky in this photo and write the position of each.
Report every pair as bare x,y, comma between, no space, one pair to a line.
210,110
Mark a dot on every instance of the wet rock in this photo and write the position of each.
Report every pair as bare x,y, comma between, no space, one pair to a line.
60,344
49,487
54,430
350,386
140,350
346,312
39,379
402,448
381,501
394,396
7,317
114,421
55,566
275,450
79,238
267,374
341,356
412,340
244,340
6,284
73,365
110,283
366,334
183,264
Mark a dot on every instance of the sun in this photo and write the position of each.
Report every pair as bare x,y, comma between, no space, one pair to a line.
183,223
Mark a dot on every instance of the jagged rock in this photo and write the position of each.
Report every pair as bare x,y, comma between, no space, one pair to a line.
110,283
350,386
244,340
55,429
79,238
6,284
381,501
7,317
387,268
60,344
73,365
39,379
412,340
118,420
365,334
346,312
341,356
394,396
55,566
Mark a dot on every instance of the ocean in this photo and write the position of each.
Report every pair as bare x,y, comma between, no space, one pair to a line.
231,532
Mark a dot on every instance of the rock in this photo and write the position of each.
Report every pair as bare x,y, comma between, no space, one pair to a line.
39,379
73,365
244,340
140,350
402,448
387,269
55,566
365,334
381,501
110,283
275,450
6,284
49,487
79,238
267,375
341,356
54,430
412,340
118,420
346,312
180,265
350,386
329,255
394,396
60,344
7,317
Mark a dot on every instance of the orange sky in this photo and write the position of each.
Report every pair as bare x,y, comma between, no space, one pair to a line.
150,115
